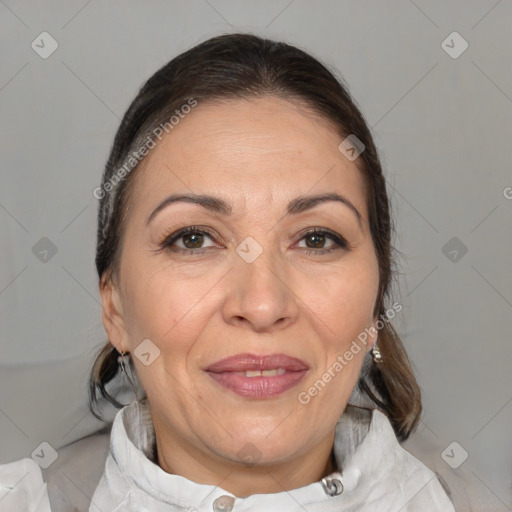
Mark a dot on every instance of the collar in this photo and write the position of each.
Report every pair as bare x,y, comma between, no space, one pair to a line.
363,440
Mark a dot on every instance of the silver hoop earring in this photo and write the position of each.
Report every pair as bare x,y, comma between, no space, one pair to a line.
377,356
123,360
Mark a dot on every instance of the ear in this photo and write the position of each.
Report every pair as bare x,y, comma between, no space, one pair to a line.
113,315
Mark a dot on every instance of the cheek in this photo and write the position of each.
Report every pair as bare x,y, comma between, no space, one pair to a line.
343,301
343,306
172,311
169,307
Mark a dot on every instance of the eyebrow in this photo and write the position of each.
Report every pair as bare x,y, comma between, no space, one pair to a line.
219,206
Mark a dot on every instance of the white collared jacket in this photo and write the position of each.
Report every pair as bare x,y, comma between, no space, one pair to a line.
378,476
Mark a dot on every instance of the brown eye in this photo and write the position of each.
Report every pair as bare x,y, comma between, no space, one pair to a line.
317,240
188,240
193,241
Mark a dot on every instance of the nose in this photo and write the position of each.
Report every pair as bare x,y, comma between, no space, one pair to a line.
260,295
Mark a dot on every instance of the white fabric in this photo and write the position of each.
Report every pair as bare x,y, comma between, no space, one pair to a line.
378,475
22,488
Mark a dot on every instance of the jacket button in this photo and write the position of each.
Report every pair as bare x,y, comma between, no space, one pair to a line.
223,504
332,486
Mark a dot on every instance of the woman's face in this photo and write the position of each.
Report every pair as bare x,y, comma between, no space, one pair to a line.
251,281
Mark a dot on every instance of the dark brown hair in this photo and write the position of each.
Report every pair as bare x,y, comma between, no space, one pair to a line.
246,66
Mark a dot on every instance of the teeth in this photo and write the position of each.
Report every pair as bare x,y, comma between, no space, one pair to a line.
265,373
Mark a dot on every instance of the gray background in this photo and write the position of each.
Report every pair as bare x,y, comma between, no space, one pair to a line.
443,127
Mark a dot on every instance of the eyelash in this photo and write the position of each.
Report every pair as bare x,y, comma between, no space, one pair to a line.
167,242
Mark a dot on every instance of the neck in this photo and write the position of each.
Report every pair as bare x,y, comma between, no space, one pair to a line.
240,479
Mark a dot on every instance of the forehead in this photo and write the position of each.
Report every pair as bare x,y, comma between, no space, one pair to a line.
249,149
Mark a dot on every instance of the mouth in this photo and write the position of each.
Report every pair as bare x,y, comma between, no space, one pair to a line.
258,376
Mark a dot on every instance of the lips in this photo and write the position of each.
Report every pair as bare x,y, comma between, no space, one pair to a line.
248,362
258,376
